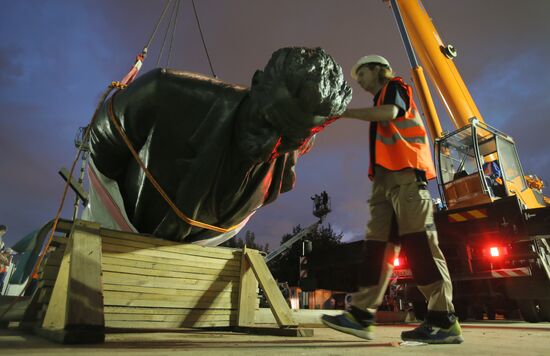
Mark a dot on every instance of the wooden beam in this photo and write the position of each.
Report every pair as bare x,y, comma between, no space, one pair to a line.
141,242
167,311
170,256
248,293
110,259
59,241
168,324
57,308
132,270
126,253
277,303
171,303
75,311
162,282
298,332
85,290
167,292
191,299
191,317
49,272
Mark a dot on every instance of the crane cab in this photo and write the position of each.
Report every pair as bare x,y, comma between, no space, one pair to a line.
477,165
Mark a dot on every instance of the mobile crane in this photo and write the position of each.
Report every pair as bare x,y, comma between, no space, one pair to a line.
494,222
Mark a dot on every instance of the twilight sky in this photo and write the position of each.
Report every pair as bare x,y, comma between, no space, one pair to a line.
56,57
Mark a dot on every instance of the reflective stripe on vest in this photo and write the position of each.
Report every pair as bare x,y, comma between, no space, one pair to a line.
402,142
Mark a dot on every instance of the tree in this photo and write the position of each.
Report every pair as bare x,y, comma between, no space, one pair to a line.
249,241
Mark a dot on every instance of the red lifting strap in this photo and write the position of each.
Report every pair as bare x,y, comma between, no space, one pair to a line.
132,74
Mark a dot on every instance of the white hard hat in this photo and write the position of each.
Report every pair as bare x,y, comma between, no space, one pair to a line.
371,58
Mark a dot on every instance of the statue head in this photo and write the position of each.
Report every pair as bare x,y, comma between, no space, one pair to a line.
296,95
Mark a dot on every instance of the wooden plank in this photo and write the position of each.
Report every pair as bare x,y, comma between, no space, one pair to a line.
57,308
166,291
196,260
130,298
46,283
44,295
297,332
194,317
248,294
54,258
162,282
189,261
185,249
57,253
48,272
122,235
167,274
55,262
64,226
277,303
224,303
75,336
58,241
85,290
165,324
109,309
25,310
108,259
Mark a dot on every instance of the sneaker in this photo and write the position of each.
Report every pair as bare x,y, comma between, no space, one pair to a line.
434,335
348,324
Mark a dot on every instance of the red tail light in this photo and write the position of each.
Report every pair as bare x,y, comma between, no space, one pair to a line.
396,262
494,252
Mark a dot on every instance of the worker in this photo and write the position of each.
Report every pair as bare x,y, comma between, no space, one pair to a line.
5,256
316,202
401,211
493,175
324,197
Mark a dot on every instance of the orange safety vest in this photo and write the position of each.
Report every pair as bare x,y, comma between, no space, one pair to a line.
402,142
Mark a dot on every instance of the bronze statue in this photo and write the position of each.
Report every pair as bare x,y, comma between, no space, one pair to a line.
220,151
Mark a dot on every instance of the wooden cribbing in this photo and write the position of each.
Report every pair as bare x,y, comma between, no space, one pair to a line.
107,279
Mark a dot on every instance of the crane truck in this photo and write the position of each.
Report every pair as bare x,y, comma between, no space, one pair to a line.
493,220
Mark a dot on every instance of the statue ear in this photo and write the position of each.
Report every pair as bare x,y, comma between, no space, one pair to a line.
257,77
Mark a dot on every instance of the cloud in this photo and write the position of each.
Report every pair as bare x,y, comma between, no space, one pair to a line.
56,58
10,69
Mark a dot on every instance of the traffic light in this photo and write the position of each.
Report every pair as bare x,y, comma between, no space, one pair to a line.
307,247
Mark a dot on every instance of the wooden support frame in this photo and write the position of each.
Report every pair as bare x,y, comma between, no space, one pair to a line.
277,303
107,279
254,271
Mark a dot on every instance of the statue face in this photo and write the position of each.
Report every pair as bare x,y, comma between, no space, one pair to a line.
285,115
293,98
295,95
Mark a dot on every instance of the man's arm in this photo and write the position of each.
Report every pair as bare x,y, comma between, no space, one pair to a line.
386,112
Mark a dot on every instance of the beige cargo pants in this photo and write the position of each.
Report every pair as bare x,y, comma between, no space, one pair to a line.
402,214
